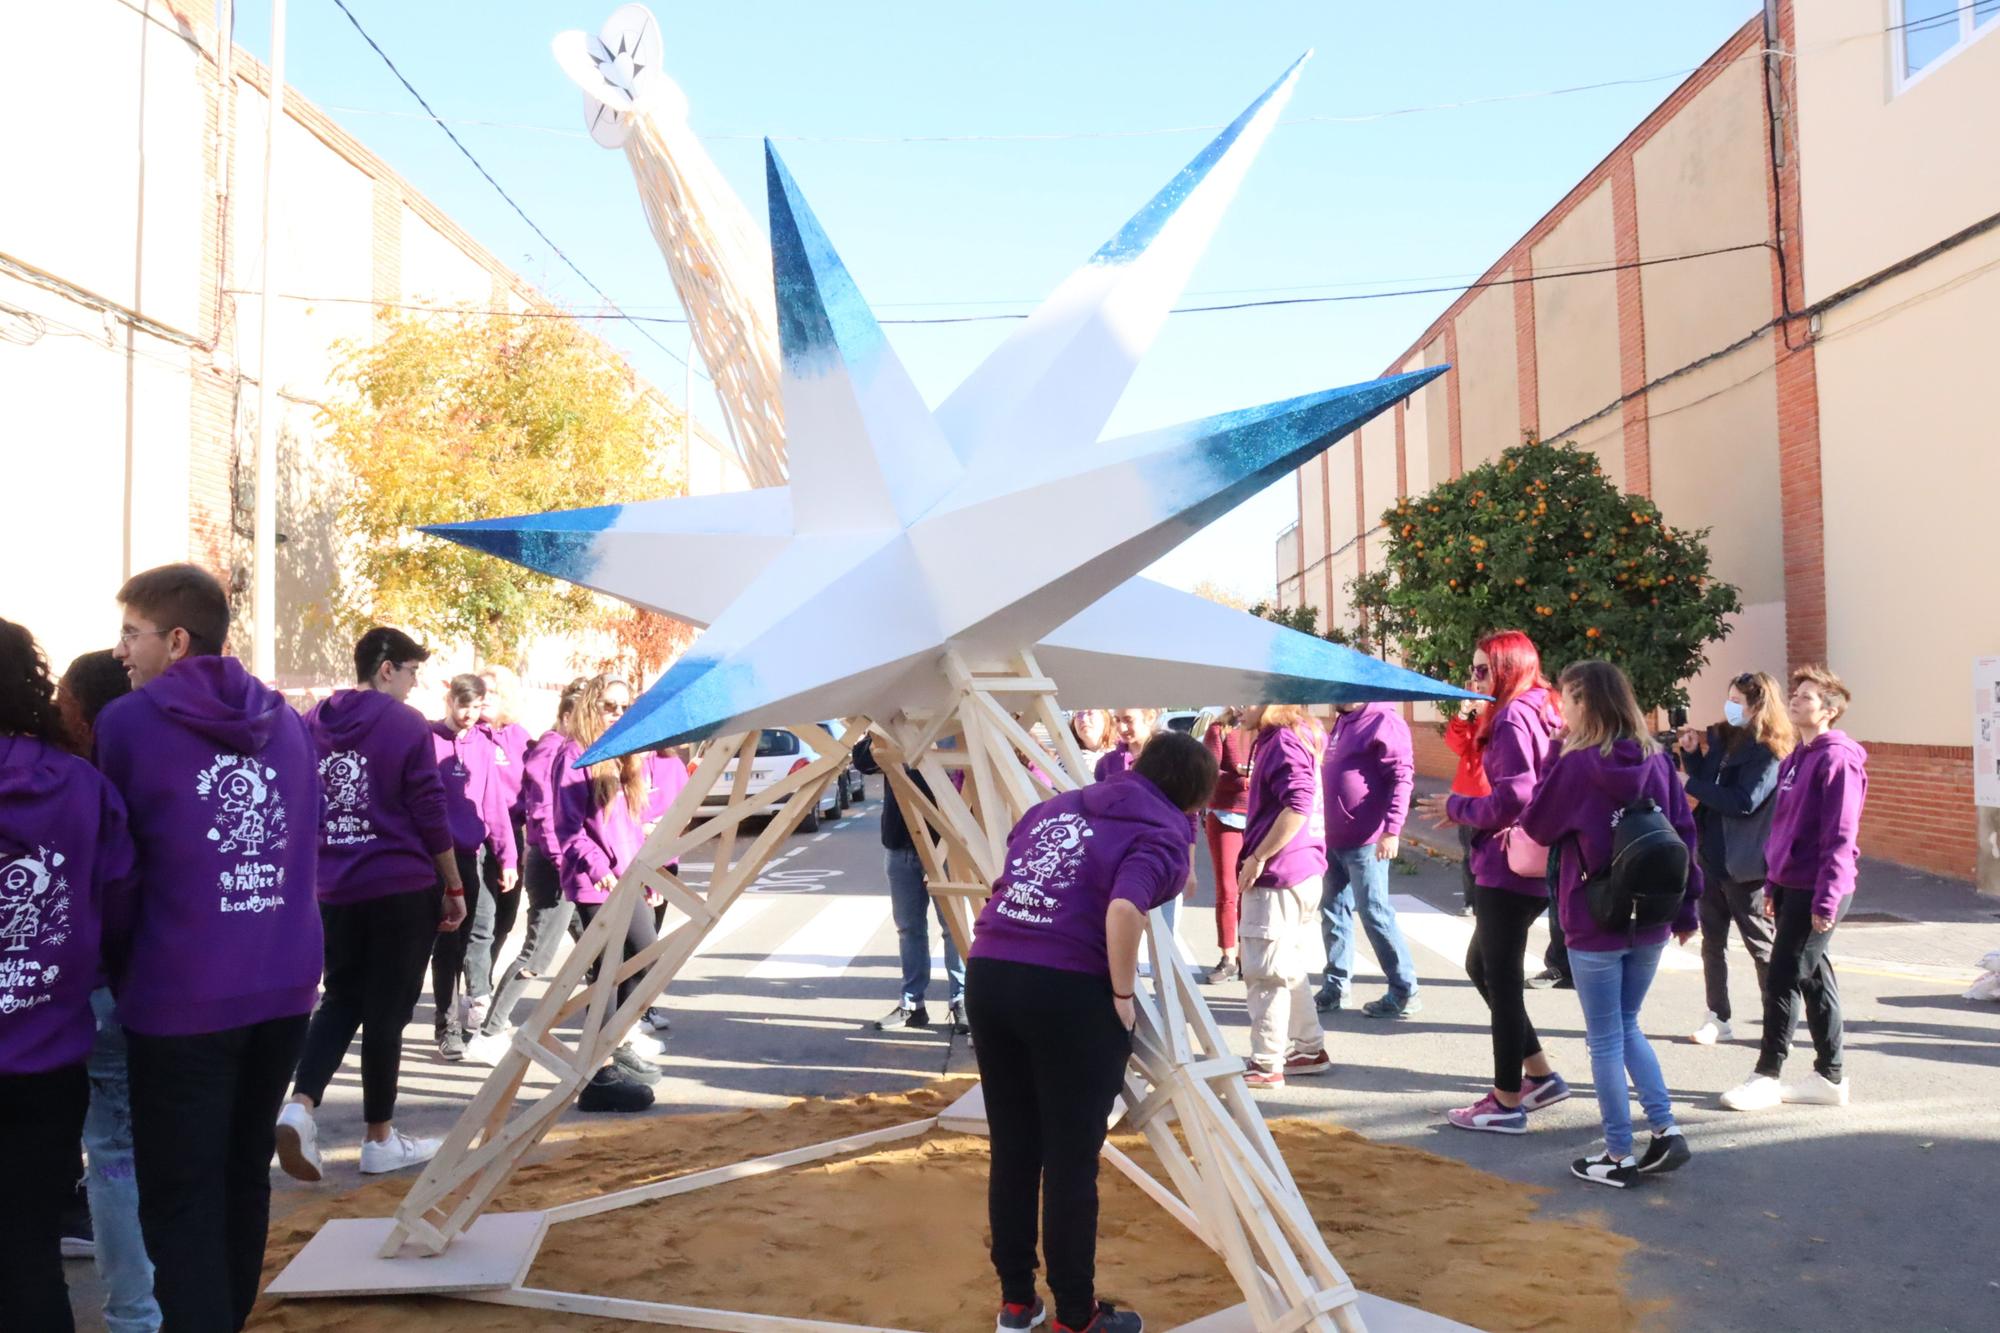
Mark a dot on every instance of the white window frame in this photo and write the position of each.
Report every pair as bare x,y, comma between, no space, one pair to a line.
1968,33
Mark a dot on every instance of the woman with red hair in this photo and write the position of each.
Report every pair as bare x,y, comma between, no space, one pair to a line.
1515,736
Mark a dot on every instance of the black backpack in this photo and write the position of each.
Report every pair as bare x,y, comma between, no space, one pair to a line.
1646,882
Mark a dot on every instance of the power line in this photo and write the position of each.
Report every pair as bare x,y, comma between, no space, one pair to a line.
480,167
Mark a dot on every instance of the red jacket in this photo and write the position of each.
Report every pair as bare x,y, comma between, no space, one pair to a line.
1470,779
1231,747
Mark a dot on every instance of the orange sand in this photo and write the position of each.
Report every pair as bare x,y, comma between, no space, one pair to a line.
897,1236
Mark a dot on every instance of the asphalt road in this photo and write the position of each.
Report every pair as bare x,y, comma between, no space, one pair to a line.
1876,1216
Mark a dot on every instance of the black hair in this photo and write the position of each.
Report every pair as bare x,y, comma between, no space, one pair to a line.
185,597
383,644
94,680
467,689
27,695
1180,766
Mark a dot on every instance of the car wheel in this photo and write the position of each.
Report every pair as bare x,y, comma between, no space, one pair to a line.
810,824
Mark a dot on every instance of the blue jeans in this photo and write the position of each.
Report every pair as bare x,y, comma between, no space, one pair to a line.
114,1190
908,899
1359,871
1611,987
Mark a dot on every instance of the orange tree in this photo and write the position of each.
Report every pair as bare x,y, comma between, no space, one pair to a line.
442,419
1540,540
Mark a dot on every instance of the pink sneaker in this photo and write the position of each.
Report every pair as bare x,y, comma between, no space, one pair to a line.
1264,1078
1319,1062
1489,1115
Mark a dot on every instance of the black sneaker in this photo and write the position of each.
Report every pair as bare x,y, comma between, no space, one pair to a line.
635,1066
1329,1002
903,1016
656,1021
1604,1169
959,1026
451,1045
1549,979
1108,1319
1018,1318
1667,1152
610,1090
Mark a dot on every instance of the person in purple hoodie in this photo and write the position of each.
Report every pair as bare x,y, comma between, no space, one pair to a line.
1810,860
388,883
1515,739
482,835
1050,993
549,912
1369,771
599,824
66,862
1284,852
217,964
1608,761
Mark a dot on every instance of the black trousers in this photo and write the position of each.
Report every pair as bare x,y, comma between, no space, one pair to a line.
375,955
1556,956
41,1117
639,934
549,916
1465,835
204,1113
1725,902
1500,922
1052,1057
1800,970
448,948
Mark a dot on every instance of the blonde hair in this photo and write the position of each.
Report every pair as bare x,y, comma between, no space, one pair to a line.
1607,711
1764,717
608,777
504,687
1832,689
1297,717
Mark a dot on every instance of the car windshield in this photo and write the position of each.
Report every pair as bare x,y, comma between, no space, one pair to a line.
773,743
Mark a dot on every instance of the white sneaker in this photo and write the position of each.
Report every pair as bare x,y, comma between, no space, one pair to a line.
647,1045
476,1011
488,1048
1711,1031
396,1152
298,1144
1816,1089
1759,1092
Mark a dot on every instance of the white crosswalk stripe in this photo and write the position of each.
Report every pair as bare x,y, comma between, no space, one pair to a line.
829,941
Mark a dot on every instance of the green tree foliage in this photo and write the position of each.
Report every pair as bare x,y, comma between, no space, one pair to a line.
1540,540
1304,619
475,416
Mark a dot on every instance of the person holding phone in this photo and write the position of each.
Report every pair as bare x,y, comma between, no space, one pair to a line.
1050,996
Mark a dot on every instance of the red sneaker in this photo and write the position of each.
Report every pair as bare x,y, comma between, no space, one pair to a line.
1264,1078
1319,1062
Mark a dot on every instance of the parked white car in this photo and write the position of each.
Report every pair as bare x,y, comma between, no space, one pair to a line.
780,754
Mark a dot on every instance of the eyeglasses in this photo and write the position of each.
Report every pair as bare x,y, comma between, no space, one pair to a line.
610,707
126,637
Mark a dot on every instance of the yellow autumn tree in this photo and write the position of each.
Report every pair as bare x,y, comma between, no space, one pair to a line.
442,419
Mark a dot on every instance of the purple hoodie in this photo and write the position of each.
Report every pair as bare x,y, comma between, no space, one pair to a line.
385,818
1114,761
538,792
1370,769
475,801
221,782
1284,775
1517,752
1067,859
1575,812
510,764
1817,822
65,861
595,843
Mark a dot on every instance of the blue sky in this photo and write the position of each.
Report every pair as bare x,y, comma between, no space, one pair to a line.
938,228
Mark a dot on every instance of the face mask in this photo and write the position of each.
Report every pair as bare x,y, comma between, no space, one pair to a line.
1732,713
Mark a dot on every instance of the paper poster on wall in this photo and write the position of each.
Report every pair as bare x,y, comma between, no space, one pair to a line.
1986,731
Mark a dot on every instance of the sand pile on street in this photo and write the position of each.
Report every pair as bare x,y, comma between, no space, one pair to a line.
896,1237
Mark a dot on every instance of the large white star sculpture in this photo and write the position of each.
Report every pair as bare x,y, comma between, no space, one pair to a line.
996,522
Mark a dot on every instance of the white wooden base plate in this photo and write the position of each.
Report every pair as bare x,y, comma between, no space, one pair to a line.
967,1115
494,1253
1380,1315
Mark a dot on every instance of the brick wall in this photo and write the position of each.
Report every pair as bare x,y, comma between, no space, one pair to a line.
1920,810
1434,758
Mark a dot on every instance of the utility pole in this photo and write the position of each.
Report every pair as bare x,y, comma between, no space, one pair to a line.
264,518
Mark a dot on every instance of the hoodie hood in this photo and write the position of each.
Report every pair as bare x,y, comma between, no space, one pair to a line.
36,779
1622,773
342,720
1842,742
218,700
1135,799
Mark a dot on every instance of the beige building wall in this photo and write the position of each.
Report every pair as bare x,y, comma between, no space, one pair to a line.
1576,332
1489,404
1929,147
1418,428
1378,477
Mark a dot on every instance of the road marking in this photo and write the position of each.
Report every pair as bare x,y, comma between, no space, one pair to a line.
828,942
1448,935
740,914
821,837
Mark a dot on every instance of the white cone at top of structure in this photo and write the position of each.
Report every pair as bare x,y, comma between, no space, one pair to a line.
620,70
905,531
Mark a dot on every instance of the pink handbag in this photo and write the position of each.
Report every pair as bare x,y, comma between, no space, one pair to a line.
1525,857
